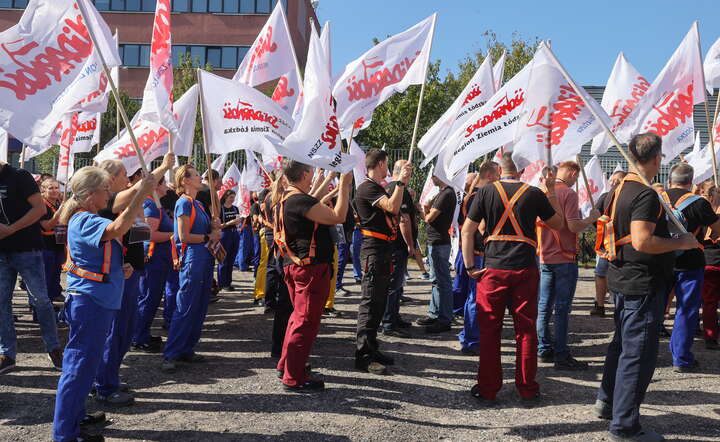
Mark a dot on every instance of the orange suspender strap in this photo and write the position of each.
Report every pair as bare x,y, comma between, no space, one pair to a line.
93,276
52,208
605,235
539,228
509,215
280,236
184,245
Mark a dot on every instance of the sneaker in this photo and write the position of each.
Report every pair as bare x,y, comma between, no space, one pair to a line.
643,436
117,399
548,356
395,332
260,302
6,364
93,419
332,313
192,358
603,410
438,327
342,292
401,323
146,348
695,366
56,357
311,386
485,402
473,350
425,276
427,320
598,310
89,437
169,365
532,401
712,345
358,281
404,299
571,364
383,358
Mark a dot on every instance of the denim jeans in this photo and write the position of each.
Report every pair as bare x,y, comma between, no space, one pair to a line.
30,266
557,289
395,290
441,303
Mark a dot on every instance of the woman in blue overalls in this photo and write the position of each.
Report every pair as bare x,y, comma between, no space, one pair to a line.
158,267
230,238
95,278
193,229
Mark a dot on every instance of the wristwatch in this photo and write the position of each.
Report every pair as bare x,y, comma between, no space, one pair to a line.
401,184
206,238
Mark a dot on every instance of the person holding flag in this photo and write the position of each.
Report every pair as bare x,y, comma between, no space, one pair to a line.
230,238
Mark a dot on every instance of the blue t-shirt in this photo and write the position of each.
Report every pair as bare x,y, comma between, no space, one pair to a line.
201,226
85,231
150,210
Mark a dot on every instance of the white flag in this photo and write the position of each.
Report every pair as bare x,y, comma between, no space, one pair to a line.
532,173
238,116
157,96
255,180
499,70
667,107
271,55
478,90
48,54
325,43
219,164
3,146
315,139
555,116
711,66
359,171
618,168
230,181
387,68
66,160
624,89
597,182
88,132
186,114
287,91
429,190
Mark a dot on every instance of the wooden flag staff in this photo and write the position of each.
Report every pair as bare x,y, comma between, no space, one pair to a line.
616,142
422,95
115,93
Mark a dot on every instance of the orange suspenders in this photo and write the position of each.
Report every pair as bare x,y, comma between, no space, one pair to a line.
509,215
280,237
567,254
183,246
93,276
605,243
173,249
52,208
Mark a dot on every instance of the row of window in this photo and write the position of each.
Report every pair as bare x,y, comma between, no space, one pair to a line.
214,6
220,57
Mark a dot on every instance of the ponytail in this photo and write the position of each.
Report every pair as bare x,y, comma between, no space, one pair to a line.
83,183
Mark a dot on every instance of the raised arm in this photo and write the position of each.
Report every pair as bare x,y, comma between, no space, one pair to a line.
124,221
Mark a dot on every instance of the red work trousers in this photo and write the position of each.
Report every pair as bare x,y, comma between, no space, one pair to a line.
496,290
710,298
308,287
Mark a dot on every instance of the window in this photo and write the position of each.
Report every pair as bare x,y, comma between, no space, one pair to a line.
262,6
247,6
148,5
242,50
131,55
231,6
117,5
102,5
20,3
178,52
132,5
180,5
199,5
6,3
215,6
145,55
214,55
229,58
198,55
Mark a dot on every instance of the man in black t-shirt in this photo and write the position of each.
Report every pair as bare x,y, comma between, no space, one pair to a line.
439,216
378,224
304,228
21,206
689,266
403,246
510,279
639,278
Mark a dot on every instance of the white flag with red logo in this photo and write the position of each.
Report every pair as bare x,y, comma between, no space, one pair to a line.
315,140
230,181
499,70
532,173
255,180
429,189
88,132
387,68
478,90
3,146
218,164
157,96
700,158
598,185
238,116
667,107
243,200
271,55
359,170
555,116
48,67
66,159
287,91
186,114
711,66
624,89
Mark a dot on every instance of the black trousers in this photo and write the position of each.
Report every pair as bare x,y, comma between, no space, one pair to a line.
376,259
631,357
275,284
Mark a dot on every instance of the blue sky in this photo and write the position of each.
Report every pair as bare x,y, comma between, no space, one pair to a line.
586,36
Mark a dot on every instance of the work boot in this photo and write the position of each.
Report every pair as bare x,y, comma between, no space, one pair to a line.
598,310
117,399
603,410
642,436
571,364
56,357
93,418
6,364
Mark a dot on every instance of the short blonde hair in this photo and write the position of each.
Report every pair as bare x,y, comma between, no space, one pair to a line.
83,183
112,166
180,174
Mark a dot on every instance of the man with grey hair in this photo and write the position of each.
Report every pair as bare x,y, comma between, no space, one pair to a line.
690,265
639,277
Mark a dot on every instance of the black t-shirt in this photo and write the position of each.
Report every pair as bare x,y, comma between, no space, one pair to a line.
16,186
228,214
134,253
269,214
255,211
407,207
203,196
299,230
479,237
168,201
635,273
372,217
712,252
49,242
438,231
698,214
487,205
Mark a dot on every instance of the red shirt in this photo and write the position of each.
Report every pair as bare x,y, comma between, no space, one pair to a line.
564,251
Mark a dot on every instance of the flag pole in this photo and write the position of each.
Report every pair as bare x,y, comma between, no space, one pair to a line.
215,204
117,101
710,124
422,94
262,167
585,180
113,87
22,157
615,141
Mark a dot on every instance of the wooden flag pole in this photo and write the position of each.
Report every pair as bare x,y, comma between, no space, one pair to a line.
422,95
116,94
710,124
616,142
22,157
585,180
117,101
262,166
215,204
